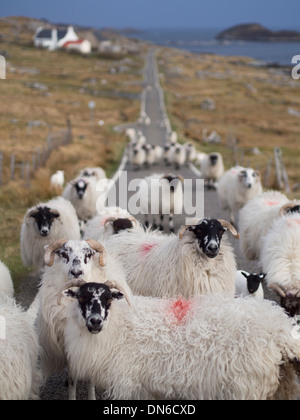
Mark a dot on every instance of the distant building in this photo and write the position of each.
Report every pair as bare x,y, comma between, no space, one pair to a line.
54,38
81,45
108,46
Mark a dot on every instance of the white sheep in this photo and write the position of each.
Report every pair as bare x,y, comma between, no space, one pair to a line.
20,377
249,284
194,262
150,155
212,168
97,228
179,157
161,195
44,224
138,157
57,180
204,348
65,261
280,259
256,218
237,187
6,283
82,193
191,152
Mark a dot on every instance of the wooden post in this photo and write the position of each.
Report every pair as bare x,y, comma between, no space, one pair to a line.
12,167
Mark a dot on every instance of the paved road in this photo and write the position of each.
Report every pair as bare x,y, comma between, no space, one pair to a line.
155,133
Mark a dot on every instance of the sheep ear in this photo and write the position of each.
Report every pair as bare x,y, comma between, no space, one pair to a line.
55,213
244,274
117,295
262,276
70,294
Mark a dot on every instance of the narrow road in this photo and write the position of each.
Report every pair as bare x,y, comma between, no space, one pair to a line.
155,133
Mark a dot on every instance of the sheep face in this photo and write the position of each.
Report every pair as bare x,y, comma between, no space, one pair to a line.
43,217
121,224
80,187
213,158
209,235
76,259
94,301
253,280
248,177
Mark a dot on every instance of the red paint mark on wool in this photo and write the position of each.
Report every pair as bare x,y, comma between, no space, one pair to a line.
146,248
271,203
179,309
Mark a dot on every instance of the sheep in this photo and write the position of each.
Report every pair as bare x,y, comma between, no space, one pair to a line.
280,259
150,155
237,187
57,180
43,224
191,152
255,219
82,193
138,157
249,284
96,228
179,157
65,261
20,377
190,263
212,168
96,172
6,283
209,347
160,195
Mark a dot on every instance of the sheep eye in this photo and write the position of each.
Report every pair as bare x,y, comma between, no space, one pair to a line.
65,255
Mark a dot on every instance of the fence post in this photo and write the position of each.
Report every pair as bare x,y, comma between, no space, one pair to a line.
12,167
1,167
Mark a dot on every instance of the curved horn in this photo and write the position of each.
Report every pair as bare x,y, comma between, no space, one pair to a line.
96,246
49,253
68,285
229,226
288,206
115,285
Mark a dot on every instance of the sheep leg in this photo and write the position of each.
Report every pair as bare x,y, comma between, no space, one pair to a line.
72,389
161,227
91,392
171,223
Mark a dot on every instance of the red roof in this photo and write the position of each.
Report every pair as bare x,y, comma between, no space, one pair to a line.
78,41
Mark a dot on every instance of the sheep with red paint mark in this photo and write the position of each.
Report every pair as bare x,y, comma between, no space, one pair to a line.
199,260
207,347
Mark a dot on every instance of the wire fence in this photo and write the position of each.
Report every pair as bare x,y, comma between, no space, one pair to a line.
25,169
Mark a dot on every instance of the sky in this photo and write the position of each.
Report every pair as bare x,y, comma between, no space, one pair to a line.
139,14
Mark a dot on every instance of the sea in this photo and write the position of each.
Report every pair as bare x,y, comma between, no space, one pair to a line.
203,41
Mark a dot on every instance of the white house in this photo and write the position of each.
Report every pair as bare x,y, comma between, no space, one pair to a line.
81,45
54,38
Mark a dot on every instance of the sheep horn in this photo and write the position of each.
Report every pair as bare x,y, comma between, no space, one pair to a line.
287,206
96,246
49,253
68,285
229,226
114,285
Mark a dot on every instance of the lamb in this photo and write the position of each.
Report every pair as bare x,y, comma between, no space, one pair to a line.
118,218
280,259
150,155
210,347
249,284
237,187
191,152
212,168
43,224
6,283
160,195
82,193
256,218
57,180
190,263
20,377
65,261
138,157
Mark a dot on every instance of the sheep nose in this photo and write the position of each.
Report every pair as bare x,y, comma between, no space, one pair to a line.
44,231
212,247
76,273
94,323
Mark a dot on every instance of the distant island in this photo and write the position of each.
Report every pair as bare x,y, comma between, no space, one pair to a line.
257,32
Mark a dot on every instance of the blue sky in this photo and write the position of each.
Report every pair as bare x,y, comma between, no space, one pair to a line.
160,13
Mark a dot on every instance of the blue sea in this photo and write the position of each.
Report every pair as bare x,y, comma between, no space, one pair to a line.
203,41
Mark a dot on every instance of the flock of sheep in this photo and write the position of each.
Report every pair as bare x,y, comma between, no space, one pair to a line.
141,313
